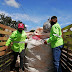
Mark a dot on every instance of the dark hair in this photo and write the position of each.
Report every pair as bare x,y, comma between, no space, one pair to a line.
53,17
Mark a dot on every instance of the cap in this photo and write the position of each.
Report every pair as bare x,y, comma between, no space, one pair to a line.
20,25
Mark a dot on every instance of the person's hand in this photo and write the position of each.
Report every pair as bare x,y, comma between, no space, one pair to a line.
45,42
11,44
27,37
6,47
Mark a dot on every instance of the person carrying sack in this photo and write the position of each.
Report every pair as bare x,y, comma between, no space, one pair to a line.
56,43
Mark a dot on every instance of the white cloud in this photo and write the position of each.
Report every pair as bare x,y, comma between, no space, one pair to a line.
22,17
19,16
3,3
3,12
65,23
34,28
36,19
71,28
12,3
69,23
26,25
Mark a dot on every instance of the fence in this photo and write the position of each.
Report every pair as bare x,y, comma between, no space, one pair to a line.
6,56
66,57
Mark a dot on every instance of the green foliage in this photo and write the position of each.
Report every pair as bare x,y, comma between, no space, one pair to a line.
6,20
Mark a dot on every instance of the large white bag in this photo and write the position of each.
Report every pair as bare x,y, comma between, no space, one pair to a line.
46,27
39,57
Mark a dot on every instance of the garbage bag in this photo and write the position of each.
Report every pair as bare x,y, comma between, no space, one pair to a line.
38,57
47,27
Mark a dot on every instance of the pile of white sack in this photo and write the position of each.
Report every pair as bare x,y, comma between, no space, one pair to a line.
38,57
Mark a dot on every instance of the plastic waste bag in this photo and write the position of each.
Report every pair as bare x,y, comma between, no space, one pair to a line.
38,56
47,26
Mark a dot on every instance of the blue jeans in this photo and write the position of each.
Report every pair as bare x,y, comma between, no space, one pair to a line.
56,58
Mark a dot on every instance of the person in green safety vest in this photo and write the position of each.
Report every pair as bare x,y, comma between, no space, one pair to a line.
18,39
56,41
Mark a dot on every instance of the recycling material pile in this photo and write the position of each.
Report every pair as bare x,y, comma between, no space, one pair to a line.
38,55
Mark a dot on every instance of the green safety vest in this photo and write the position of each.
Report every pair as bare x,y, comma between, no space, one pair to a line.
18,40
55,36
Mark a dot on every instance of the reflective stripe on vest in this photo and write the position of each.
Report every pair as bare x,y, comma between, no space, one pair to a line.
18,42
56,35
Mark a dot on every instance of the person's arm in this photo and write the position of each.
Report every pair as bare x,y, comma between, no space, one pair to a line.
10,39
55,34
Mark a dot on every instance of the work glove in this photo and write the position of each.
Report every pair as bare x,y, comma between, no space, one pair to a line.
45,41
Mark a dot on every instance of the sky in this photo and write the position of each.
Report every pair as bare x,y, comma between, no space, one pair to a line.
34,13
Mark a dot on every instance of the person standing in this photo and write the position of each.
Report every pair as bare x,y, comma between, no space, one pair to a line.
56,41
18,39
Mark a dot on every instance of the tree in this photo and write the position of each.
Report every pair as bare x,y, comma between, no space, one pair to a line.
6,20
32,30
